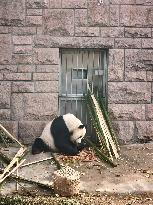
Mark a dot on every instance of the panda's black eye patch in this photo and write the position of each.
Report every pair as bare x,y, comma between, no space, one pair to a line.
81,126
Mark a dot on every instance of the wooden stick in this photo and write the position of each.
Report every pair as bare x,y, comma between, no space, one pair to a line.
35,162
11,136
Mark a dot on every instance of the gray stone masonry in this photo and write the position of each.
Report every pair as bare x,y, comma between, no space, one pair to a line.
31,35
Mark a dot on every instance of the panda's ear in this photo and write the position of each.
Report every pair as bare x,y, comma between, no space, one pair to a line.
81,126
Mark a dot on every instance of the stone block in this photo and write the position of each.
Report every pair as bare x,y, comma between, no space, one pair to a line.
147,43
17,108
46,55
144,2
5,93
8,69
127,43
11,126
40,106
149,111
127,112
22,40
4,114
116,65
150,76
124,131
23,31
135,76
45,76
136,16
81,17
37,3
137,32
22,59
12,12
29,130
46,86
55,4
22,87
138,60
86,31
26,68
23,49
129,92
47,68
114,15
74,4
34,12
34,20
1,76
17,76
73,42
122,1
6,49
59,22
144,130
4,29
112,32
98,14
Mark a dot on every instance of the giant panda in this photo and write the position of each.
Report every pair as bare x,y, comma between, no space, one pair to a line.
63,134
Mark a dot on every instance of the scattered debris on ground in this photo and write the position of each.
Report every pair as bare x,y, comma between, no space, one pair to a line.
81,199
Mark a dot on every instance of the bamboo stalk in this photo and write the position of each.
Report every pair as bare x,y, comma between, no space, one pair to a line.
9,135
108,121
35,162
13,170
14,160
17,173
30,181
101,156
56,161
13,176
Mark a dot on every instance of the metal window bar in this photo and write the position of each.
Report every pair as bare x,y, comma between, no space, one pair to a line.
79,66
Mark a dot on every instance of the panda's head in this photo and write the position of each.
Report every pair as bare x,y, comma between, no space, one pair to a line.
78,134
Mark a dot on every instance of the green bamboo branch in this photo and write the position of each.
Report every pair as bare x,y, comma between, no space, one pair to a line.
108,121
101,156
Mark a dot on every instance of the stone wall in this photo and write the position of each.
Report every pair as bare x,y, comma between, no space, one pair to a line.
33,31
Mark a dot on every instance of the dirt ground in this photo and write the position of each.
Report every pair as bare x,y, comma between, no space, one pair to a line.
130,183
90,199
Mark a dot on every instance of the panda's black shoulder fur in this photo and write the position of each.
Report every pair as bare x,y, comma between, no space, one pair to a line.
58,128
61,136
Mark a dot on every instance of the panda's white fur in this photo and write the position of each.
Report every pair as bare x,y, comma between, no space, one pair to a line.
74,134
46,137
72,124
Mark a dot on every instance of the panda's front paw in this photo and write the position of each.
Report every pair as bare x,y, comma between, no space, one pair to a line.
82,145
